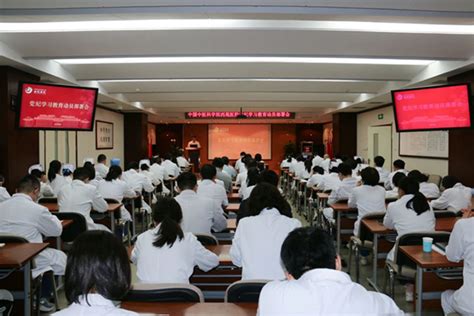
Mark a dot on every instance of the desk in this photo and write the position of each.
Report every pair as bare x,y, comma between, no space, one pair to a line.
222,251
232,223
18,256
424,261
193,309
233,207
339,208
233,197
64,223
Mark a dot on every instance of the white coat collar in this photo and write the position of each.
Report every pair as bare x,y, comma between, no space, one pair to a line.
270,211
22,196
78,182
320,275
95,300
187,193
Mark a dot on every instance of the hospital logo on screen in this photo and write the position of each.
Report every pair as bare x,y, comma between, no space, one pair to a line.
29,90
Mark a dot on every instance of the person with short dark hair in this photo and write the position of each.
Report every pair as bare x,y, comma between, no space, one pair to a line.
82,197
411,213
258,238
22,216
383,173
455,196
221,175
55,177
200,214
92,173
315,284
183,163
239,164
398,166
348,183
209,188
97,274
430,190
317,175
252,179
368,197
176,252
330,181
241,179
228,167
171,169
4,195
46,189
101,168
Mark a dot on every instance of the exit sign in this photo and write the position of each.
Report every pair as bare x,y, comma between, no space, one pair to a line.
380,116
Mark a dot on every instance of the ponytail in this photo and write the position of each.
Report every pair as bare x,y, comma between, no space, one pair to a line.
418,203
168,214
54,168
114,173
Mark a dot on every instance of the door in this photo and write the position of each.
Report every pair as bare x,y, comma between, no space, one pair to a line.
380,144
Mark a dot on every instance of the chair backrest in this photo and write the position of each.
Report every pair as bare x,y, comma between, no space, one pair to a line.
364,233
111,201
415,239
207,239
434,178
78,226
6,303
166,292
244,291
12,239
48,200
443,214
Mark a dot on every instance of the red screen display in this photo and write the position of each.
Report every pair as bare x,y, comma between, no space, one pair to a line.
44,106
432,108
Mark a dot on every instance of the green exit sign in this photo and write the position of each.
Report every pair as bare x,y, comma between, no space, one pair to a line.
380,116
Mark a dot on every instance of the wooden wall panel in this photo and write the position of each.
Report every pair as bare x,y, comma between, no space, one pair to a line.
345,133
135,137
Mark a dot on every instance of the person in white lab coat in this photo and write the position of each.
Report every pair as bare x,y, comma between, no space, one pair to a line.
304,173
330,181
145,170
101,168
343,191
393,193
239,164
429,190
22,216
93,180
4,195
158,173
454,198
461,247
297,166
200,214
183,163
97,274
252,179
317,175
368,197
113,187
164,254
171,169
46,189
326,163
317,160
138,182
411,213
209,188
55,178
258,238
286,163
315,284
379,161
221,175
242,176
398,166
81,197
228,168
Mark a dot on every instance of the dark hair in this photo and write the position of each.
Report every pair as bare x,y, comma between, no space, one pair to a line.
208,172
90,167
35,172
379,161
167,156
252,176
155,159
334,170
243,153
318,169
264,196
399,164
397,177
300,158
250,163
225,160
307,165
2,178
101,158
370,176
97,262
289,158
218,162
258,157
351,163
167,212
344,169
54,168
114,173
418,176
132,165
449,182
28,184
81,173
268,176
186,181
144,167
418,203
308,248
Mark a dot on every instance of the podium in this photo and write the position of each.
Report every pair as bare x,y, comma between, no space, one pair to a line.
194,154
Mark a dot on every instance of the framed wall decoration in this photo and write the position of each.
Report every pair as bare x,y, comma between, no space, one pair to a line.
104,135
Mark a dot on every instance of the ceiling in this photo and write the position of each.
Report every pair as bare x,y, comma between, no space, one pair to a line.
224,55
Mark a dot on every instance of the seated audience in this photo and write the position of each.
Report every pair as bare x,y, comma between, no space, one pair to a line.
81,197
316,285
183,163
326,163
286,163
200,214
316,177
393,193
239,164
383,174
455,196
398,166
221,175
145,170
305,172
138,182
429,190
171,169
368,197
258,238
330,181
92,174
164,254
298,166
461,247
347,184
252,179
317,160
228,168
242,176
101,168
4,195
209,188
411,213
97,275
55,178
46,189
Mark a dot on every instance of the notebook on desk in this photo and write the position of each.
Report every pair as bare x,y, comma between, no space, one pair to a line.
441,245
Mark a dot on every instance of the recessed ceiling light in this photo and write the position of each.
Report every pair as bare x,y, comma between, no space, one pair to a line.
241,59
234,24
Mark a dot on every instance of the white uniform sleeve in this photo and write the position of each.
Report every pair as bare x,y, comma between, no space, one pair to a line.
235,251
219,220
98,203
128,192
455,248
46,190
333,196
48,224
442,202
147,186
352,202
4,195
225,199
203,258
385,305
388,218
135,252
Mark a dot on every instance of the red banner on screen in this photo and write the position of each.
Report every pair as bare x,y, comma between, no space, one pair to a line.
234,115
432,108
44,106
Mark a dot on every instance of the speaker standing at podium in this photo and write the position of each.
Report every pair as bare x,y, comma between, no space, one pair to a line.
194,148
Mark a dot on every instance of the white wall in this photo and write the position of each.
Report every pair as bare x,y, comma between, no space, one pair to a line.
370,118
53,144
